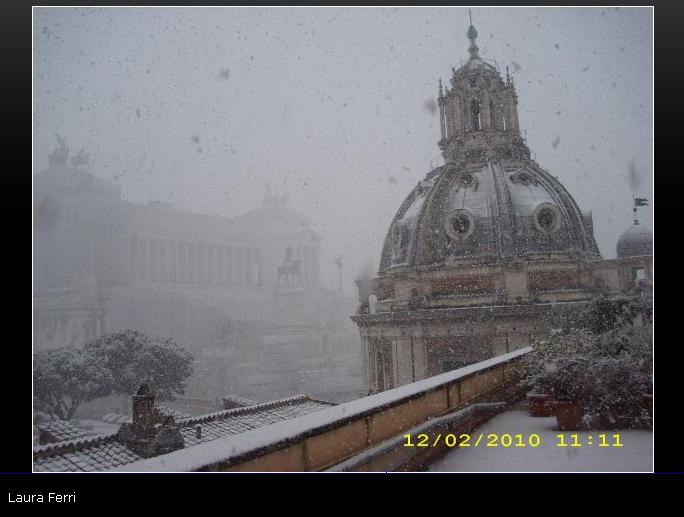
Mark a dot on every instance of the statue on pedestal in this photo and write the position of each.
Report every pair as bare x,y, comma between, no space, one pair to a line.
291,270
59,156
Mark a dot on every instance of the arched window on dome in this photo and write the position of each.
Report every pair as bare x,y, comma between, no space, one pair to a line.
475,115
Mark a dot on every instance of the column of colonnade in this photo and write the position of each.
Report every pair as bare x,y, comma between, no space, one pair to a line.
182,262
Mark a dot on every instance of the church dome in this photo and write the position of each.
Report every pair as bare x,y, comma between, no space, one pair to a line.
490,202
635,242
493,211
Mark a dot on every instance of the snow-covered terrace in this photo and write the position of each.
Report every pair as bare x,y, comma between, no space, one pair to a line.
589,451
320,440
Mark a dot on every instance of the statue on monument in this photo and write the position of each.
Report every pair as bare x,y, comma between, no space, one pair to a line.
291,270
273,199
60,155
82,159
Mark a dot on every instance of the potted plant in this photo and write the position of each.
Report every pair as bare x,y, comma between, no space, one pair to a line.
620,375
540,404
616,397
554,372
599,365
568,384
569,414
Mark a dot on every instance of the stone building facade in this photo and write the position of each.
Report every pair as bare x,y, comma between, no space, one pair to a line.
102,263
92,248
487,253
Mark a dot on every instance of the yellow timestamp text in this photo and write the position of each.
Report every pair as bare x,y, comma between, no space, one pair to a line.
507,440
467,440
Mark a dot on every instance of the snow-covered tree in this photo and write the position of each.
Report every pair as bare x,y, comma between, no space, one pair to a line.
65,377
133,358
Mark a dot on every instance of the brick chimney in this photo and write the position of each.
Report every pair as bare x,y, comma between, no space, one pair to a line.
144,414
150,434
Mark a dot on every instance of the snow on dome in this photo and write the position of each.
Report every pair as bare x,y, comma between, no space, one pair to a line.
487,212
490,202
635,242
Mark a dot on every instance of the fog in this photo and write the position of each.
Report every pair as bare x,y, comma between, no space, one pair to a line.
336,108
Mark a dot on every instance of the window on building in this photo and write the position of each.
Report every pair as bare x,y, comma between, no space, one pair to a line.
545,218
383,361
475,115
460,224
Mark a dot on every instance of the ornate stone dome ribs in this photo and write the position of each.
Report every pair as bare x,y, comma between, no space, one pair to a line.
492,211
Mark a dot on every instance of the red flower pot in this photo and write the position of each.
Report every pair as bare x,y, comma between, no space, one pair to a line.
568,415
541,404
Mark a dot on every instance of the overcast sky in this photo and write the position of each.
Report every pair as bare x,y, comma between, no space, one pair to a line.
200,106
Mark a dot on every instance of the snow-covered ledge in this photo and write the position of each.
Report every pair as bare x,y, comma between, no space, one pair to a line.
327,437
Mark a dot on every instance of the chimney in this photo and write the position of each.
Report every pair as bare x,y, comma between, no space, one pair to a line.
144,416
149,434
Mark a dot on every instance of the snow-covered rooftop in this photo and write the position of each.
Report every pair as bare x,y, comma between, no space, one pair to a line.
59,430
104,452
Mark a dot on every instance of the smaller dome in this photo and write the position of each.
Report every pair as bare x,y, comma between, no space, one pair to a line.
635,242
476,64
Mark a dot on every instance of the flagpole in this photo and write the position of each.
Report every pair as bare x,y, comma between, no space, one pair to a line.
634,207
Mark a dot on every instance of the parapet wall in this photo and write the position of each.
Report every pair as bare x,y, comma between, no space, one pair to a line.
319,440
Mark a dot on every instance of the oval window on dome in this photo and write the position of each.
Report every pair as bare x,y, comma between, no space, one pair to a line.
546,218
460,224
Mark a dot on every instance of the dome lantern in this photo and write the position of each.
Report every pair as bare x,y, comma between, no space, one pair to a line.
479,114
